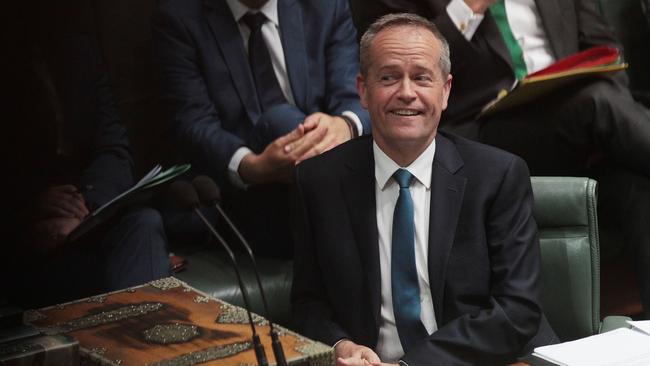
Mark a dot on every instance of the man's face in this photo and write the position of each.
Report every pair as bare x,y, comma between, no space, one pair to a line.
404,90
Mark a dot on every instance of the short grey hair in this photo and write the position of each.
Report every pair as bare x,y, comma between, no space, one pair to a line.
402,19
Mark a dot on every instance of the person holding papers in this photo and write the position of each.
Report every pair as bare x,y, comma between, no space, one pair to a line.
70,156
592,126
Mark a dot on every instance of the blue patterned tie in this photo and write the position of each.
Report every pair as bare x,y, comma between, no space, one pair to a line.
404,278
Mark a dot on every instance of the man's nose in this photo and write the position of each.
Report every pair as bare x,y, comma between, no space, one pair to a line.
406,92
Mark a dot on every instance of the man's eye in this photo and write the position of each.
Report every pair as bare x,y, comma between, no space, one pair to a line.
387,78
422,78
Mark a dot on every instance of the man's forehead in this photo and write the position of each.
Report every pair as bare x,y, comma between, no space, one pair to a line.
408,42
407,32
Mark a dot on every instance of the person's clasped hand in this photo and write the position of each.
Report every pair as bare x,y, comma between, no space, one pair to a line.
58,211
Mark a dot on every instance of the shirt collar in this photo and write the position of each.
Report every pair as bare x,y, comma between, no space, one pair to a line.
270,10
385,167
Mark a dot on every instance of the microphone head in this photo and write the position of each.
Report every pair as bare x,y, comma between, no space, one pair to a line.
207,189
183,195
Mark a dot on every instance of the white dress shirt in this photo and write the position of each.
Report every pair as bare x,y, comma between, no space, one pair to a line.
388,346
525,23
271,35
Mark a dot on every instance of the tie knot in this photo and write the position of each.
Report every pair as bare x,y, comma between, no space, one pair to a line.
254,21
403,178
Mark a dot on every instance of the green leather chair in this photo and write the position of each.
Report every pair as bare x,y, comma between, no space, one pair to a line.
565,211
210,271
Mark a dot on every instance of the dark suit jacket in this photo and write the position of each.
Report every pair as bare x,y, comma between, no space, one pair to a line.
483,253
208,84
482,67
66,126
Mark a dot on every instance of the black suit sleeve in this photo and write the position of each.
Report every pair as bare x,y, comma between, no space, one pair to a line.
593,30
93,129
309,297
511,316
110,171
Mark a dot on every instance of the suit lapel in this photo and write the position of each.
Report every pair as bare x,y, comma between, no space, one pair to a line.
359,192
226,32
292,35
447,190
553,22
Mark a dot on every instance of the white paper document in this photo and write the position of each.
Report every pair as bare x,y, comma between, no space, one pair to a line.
620,347
641,325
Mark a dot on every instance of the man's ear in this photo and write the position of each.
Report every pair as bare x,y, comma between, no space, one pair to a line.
446,90
361,89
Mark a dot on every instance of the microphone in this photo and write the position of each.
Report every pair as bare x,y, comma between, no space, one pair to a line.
185,196
209,193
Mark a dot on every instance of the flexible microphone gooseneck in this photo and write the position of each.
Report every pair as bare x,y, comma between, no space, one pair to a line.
209,193
186,197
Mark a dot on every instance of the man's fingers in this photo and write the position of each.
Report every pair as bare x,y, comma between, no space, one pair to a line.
351,361
67,188
74,205
324,145
59,204
370,356
291,137
49,211
291,140
312,121
309,146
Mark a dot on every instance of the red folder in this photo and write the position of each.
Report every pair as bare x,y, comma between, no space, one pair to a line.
593,62
595,56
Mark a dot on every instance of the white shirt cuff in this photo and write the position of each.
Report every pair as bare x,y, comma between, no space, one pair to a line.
357,121
233,167
464,18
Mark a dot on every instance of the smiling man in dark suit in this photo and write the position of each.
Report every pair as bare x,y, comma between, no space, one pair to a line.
254,87
593,127
415,246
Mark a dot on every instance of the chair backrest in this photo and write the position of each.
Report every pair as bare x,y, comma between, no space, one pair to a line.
565,211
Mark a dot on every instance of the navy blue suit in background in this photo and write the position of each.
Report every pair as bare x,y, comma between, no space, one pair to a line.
208,85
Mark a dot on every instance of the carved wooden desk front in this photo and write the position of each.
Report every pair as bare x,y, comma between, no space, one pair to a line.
167,322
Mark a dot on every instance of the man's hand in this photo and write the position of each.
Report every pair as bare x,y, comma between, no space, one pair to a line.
58,211
276,162
349,353
45,235
479,6
61,202
338,132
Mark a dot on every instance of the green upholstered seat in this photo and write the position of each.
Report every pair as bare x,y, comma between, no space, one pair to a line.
565,211
210,271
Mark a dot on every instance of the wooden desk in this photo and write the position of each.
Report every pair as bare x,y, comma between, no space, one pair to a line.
167,322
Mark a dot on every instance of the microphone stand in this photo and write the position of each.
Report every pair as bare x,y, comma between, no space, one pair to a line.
209,191
257,344
278,351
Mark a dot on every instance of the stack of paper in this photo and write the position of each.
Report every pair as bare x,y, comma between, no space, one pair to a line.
620,347
141,191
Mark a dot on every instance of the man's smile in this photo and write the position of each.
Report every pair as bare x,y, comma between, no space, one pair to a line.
405,112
